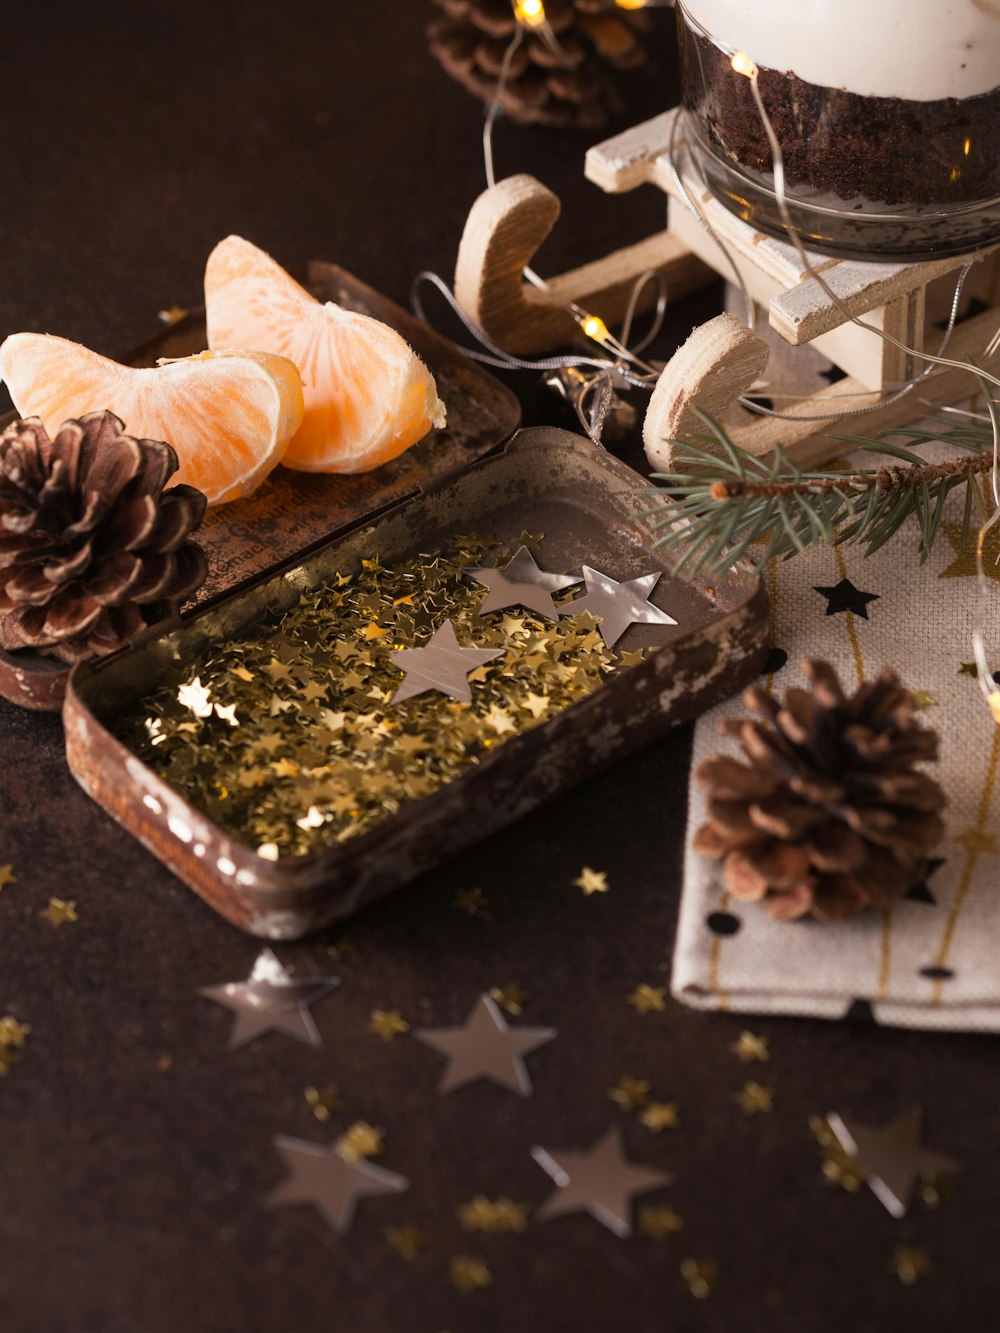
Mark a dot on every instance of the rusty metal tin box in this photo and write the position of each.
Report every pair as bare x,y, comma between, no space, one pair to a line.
585,503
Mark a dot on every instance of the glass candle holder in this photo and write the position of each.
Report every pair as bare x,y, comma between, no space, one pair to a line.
887,113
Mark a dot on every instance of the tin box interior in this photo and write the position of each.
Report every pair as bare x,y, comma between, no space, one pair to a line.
585,504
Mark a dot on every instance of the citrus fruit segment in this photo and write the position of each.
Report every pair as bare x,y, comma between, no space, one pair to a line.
229,415
368,396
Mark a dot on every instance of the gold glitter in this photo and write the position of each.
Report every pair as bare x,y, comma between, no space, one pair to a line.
909,1264
512,997
470,900
288,738
659,1223
7,876
324,1102
468,1275
660,1115
755,1099
60,910
646,999
13,1033
592,881
749,1047
361,1140
387,1023
701,1276
630,1093
499,1215
838,1167
406,1240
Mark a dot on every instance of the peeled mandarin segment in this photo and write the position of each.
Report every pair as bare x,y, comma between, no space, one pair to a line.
229,415
368,396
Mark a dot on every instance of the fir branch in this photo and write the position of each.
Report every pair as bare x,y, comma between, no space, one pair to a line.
719,505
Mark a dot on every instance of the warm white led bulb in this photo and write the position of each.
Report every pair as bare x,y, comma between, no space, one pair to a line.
529,12
743,64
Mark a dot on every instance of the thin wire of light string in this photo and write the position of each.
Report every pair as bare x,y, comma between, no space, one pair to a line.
989,691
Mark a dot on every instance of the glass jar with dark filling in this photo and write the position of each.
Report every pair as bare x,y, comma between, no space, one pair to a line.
887,113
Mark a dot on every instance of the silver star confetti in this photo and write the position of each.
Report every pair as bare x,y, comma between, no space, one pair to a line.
521,583
321,1177
486,1047
442,664
599,1182
891,1157
617,605
271,1000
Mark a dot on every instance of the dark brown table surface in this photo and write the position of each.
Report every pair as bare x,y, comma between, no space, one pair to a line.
136,1151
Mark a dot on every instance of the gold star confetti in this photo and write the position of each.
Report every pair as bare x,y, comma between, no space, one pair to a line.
312,691
701,1276
468,1275
8,1059
7,876
755,1099
361,1140
646,999
935,1189
659,1223
499,1215
838,1167
406,1240
658,1116
922,699
59,911
749,1047
387,1023
13,1033
630,1093
470,900
512,997
592,881
323,1102
909,1264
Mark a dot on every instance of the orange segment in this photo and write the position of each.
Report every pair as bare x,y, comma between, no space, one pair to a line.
229,415
368,396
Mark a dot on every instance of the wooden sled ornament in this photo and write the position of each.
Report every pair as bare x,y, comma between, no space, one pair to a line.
723,359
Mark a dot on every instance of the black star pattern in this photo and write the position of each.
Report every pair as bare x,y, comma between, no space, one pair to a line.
937,973
921,893
723,923
860,1011
776,659
843,596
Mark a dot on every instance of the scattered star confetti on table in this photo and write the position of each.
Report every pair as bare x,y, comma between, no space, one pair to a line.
470,901
749,1047
326,1180
323,1102
630,1093
469,1274
7,877
910,1264
271,1000
617,605
755,1098
599,1181
591,881
387,1023
511,997
407,1240
891,1157
60,911
520,582
646,999
13,1033
361,1140
485,1046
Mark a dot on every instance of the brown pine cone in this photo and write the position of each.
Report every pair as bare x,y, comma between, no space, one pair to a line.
92,549
829,815
568,82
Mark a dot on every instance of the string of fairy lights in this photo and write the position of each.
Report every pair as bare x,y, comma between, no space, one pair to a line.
625,366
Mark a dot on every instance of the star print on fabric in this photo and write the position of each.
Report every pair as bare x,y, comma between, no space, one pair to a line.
442,664
320,1176
921,893
843,596
617,605
521,583
964,564
891,1157
486,1047
270,1000
598,1181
